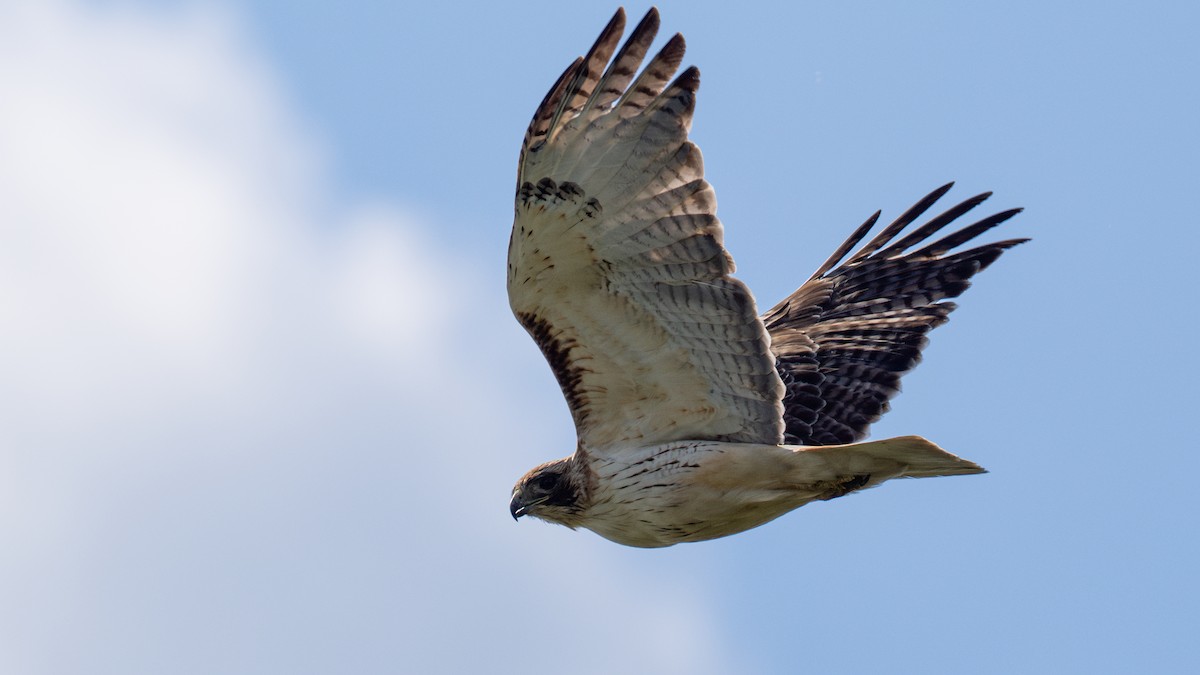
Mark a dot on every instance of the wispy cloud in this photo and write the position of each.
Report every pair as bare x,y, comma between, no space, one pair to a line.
244,428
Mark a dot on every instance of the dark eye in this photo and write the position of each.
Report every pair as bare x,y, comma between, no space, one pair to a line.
547,482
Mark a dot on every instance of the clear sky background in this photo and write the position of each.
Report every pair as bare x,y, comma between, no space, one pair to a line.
262,400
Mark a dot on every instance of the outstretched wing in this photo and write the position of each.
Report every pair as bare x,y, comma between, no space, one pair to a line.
845,337
616,265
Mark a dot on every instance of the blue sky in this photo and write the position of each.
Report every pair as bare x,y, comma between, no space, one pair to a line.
262,401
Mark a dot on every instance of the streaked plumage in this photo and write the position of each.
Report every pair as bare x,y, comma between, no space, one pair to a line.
697,419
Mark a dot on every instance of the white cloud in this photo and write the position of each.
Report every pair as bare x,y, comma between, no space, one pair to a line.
240,436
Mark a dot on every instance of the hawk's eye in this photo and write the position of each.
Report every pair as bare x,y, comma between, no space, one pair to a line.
547,482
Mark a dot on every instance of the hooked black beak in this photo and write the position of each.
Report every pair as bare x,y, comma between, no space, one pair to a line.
516,507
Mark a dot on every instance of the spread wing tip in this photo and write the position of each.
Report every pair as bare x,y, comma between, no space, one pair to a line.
844,339
582,87
881,246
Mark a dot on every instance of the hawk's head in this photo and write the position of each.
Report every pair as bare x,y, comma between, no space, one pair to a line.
553,492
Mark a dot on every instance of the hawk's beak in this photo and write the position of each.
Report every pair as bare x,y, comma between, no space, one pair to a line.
516,507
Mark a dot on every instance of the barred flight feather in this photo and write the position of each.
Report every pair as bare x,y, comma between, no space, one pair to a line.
865,320
622,290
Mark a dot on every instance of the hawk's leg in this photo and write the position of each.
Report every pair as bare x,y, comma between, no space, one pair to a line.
844,487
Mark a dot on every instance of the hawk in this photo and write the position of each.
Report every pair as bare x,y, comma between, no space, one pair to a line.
697,418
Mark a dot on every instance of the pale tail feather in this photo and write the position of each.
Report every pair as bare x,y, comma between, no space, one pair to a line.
877,461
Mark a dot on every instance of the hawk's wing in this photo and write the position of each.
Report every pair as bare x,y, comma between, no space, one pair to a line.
845,337
616,266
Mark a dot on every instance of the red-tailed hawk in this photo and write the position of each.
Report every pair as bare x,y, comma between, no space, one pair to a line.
696,417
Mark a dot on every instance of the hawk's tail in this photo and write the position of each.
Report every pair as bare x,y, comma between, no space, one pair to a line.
862,465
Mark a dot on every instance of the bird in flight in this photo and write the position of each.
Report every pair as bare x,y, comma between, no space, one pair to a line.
696,417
